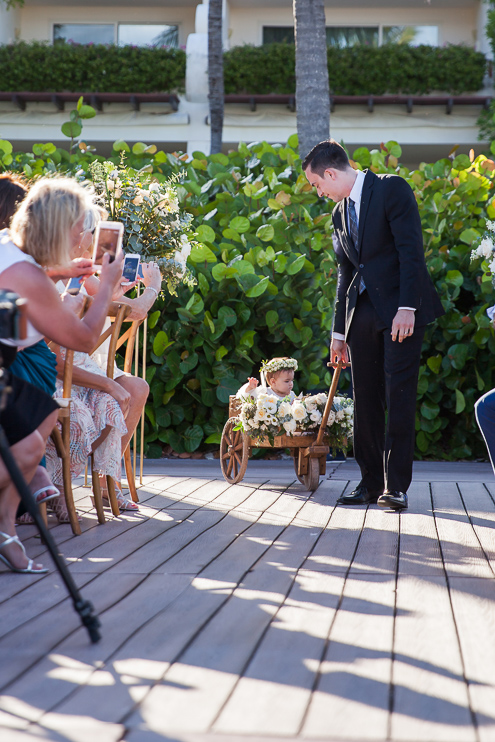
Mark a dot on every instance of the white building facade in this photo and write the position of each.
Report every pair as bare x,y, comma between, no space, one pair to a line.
425,132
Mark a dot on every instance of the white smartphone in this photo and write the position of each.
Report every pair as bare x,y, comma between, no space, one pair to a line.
108,239
131,267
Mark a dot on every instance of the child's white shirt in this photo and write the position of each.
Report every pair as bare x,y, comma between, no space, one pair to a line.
262,390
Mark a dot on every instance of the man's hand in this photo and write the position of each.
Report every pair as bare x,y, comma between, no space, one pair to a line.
339,352
403,325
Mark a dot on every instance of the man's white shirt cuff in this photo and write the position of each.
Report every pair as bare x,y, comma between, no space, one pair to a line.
338,336
411,308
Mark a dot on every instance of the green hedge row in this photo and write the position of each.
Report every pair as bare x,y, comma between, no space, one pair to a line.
359,70
94,68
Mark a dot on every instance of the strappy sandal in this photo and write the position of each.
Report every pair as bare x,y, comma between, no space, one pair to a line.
59,507
38,494
124,504
29,570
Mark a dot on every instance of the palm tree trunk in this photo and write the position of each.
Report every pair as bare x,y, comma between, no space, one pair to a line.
215,74
312,89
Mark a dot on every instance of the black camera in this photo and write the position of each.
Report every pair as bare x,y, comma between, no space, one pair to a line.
13,323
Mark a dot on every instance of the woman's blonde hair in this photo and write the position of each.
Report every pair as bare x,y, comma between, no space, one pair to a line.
42,225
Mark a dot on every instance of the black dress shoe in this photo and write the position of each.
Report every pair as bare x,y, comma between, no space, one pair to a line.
393,499
360,496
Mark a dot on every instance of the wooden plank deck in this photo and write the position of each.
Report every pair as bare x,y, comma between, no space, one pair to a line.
259,611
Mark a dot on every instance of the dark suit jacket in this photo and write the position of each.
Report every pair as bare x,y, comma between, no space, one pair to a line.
389,256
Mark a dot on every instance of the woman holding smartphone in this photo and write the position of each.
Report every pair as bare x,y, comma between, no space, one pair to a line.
47,226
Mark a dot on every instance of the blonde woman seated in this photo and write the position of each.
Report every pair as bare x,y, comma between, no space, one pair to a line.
277,378
47,225
104,412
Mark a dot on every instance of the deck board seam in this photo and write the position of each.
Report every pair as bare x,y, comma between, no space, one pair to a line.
472,713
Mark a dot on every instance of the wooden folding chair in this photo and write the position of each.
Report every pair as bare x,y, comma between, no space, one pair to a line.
118,312
129,337
61,439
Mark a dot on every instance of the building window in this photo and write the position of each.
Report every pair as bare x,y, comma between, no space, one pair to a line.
343,36
278,34
410,35
148,34
85,33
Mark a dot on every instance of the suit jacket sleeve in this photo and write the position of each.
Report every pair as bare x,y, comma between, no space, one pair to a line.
405,223
344,278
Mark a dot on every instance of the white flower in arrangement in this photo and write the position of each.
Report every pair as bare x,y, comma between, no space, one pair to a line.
261,414
261,399
298,411
331,418
285,409
490,226
311,404
290,426
315,416
340,415
321,398
271,405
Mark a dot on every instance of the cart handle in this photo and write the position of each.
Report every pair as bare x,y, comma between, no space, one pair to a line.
338,367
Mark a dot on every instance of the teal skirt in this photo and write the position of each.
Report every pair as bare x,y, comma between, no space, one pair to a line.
38,365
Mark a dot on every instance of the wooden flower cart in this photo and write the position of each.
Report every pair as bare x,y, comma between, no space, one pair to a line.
309,450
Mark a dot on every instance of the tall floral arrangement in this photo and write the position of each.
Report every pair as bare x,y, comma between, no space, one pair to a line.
154,225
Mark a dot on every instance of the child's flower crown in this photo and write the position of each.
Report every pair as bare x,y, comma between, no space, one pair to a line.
278,364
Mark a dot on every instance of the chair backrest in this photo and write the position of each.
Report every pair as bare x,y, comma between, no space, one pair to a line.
117,312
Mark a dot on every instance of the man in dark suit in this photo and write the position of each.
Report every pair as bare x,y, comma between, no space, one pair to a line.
385,298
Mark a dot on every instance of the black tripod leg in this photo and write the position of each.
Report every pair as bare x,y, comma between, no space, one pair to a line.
83,607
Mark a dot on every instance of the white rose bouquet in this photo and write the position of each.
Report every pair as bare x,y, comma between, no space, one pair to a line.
486,250
269,416
308,412
266,417
154,225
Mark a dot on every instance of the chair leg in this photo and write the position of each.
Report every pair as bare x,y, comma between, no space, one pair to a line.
112,497
131,481
69,499
62,444
98,502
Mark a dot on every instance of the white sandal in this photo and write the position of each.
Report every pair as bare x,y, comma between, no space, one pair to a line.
26,570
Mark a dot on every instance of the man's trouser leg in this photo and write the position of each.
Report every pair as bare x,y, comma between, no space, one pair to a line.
365,341
402,361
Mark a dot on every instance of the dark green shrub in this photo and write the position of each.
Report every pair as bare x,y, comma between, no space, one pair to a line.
359,70
85,68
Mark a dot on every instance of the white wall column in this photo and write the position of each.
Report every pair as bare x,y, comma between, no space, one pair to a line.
10,24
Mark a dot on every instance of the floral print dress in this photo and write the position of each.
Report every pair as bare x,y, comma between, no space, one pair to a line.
90,412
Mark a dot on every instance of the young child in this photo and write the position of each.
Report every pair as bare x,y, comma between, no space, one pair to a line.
277,378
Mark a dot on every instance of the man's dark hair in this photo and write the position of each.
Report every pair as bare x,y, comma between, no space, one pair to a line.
325,155
12,192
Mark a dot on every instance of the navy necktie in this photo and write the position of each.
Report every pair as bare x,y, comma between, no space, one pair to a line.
353,223
354,230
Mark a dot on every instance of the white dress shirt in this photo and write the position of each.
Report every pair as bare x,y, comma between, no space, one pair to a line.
355,195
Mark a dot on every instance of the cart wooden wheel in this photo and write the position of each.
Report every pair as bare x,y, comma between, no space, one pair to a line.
295,458
234,452
311,480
